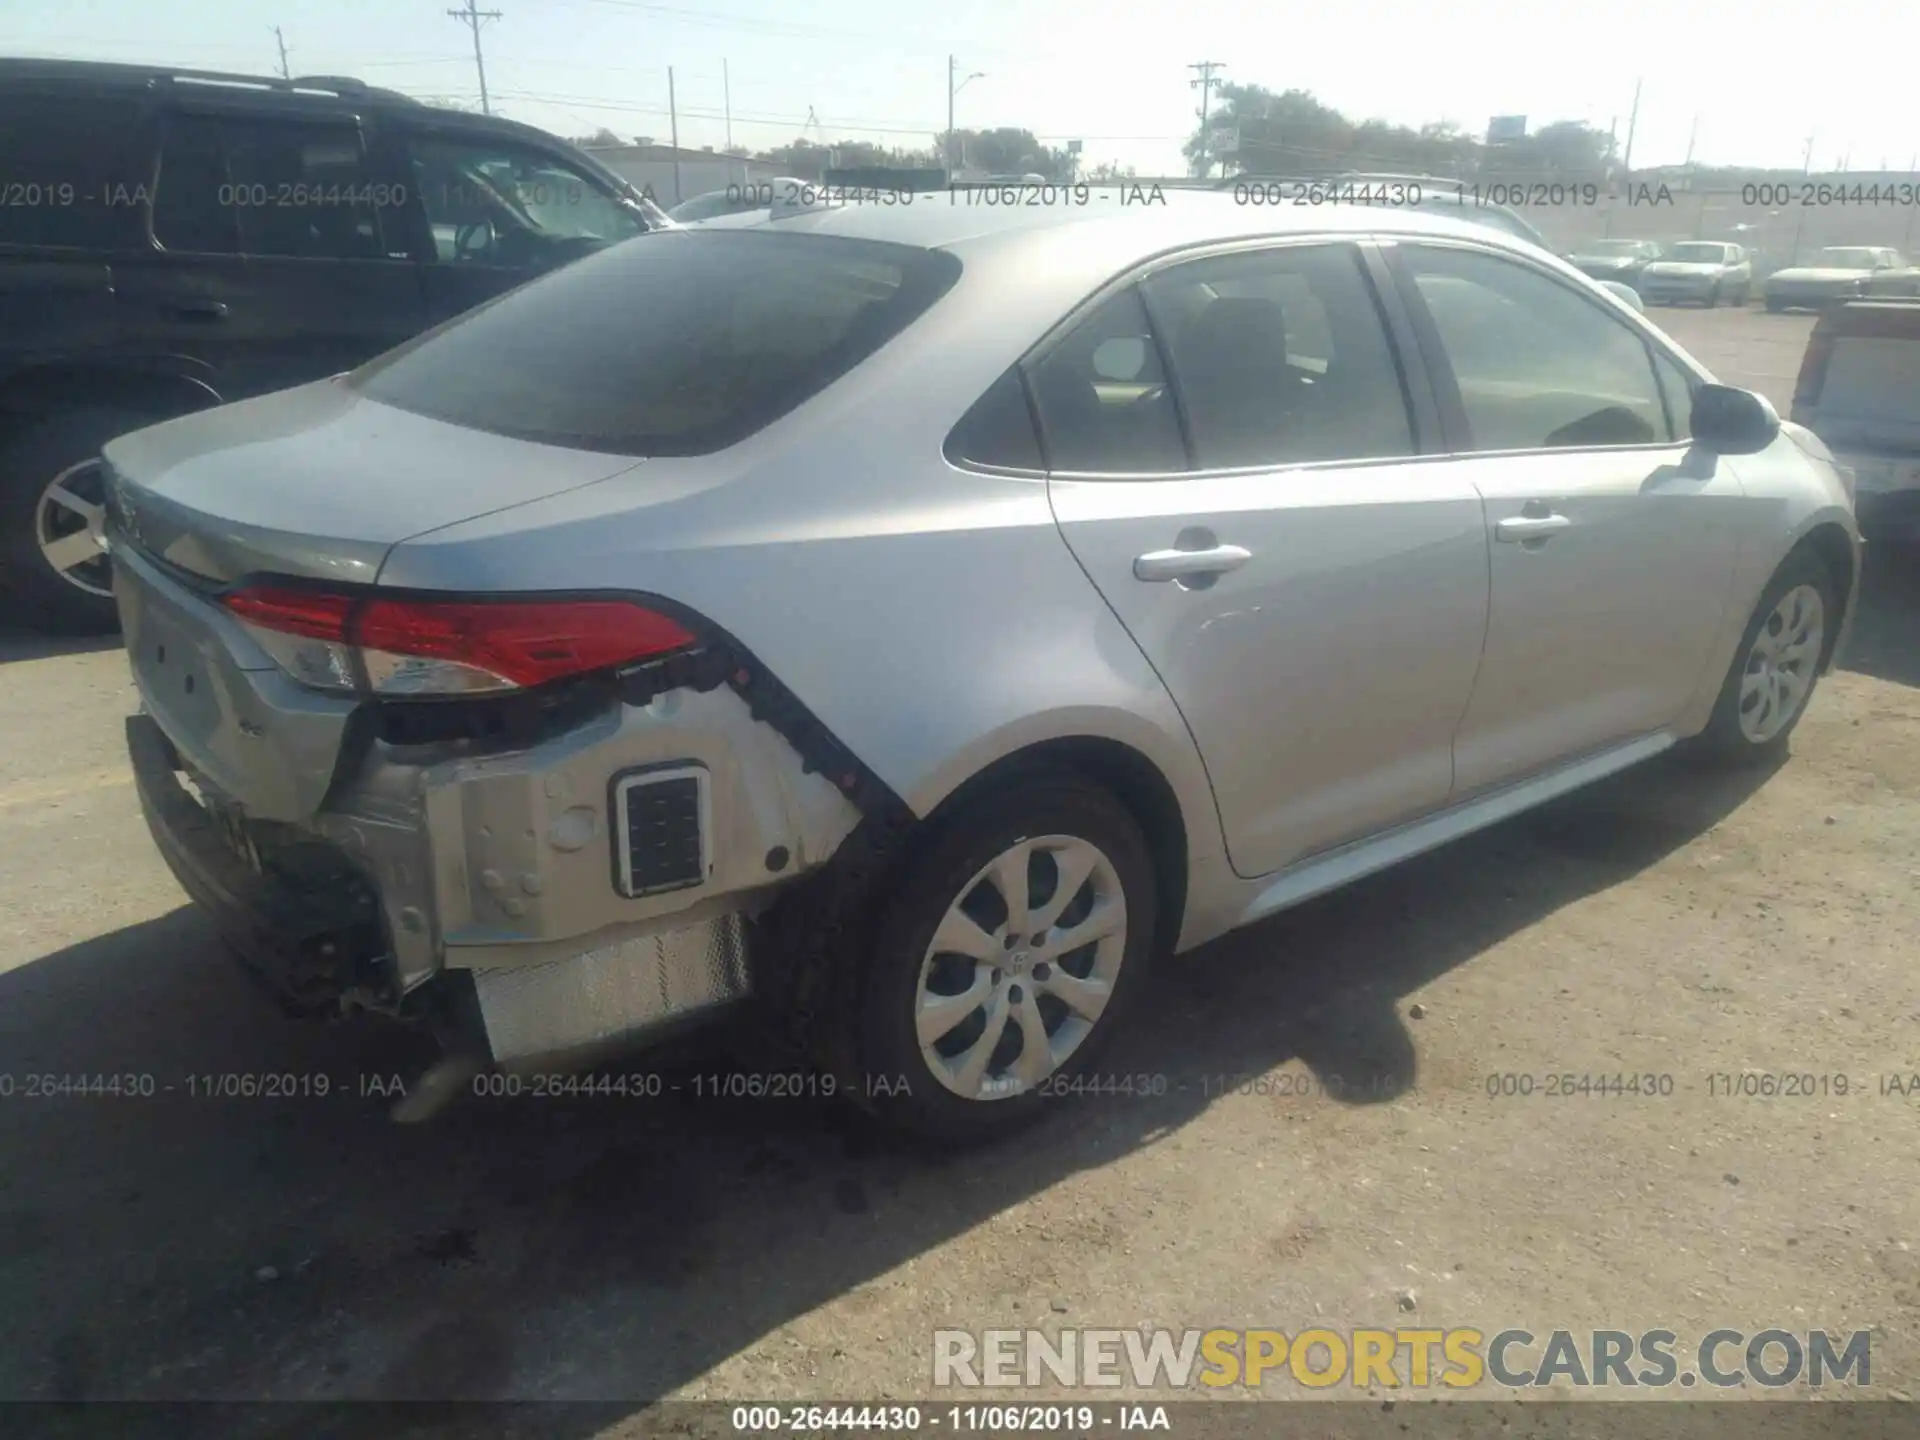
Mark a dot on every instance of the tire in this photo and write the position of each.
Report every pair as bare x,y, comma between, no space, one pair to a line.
1775,307
952,865
1713,298
1727,738
78,601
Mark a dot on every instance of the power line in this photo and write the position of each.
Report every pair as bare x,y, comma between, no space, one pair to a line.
473,19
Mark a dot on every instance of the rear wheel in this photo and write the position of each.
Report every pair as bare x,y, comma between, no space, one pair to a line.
1005,959
1774,307
52,563
1713,297
1776,667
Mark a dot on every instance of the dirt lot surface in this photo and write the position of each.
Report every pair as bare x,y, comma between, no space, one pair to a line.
1662,924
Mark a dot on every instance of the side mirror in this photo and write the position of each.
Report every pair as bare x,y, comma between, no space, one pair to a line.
1733,422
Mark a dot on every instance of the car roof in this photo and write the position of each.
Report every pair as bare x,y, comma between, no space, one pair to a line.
113,75
964,220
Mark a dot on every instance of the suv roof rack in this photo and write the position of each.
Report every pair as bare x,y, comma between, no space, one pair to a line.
155,76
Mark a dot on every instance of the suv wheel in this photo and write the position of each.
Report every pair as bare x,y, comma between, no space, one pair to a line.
51,498
1776,667
1005,959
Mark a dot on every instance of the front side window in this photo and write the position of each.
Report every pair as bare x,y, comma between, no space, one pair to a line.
507,205
1281,358
1537,365
681,343
1104,404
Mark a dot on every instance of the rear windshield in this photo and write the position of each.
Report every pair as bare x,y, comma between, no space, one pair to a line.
1695,254
675,343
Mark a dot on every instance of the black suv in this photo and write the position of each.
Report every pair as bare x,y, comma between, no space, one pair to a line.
170,240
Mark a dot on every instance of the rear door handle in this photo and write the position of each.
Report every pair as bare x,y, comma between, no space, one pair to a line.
1517,528
1161,565
201,310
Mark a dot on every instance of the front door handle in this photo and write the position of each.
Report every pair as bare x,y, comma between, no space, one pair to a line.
1161,565
1516,529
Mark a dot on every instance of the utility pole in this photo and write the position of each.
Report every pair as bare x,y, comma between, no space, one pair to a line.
473,19
1205,86
1692,135
1806,167
726,92
954,87
673,122
280,40
1633,121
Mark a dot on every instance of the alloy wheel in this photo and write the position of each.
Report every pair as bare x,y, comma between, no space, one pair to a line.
68,526
1021,967
1780,666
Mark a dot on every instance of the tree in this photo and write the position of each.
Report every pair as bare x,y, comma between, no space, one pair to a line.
1006,151
600,139
1292,133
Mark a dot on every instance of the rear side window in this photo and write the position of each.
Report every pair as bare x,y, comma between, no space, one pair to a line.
266,187
193,209
71,171
1104,404
998,431
675,343
1281,358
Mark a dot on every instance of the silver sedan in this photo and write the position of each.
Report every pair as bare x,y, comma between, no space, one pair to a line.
917,619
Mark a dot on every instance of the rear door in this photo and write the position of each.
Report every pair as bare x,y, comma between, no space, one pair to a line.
1242,477
271,257
1612,561
490,212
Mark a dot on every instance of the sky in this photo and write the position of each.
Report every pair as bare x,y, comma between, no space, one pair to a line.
1745,83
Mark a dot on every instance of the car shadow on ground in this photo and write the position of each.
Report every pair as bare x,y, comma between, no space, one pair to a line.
180,1247
1885,642
19,643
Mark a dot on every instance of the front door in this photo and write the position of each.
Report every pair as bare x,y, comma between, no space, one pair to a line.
1612,551
493,212
1311,590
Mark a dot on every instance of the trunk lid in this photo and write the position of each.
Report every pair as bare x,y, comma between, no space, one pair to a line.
319,482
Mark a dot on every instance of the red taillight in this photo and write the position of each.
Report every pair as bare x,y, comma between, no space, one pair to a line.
313,613
424,647
524,642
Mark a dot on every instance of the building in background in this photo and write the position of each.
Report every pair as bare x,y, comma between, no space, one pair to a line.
671,175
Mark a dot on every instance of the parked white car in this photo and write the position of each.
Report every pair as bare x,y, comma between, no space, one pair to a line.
1704,271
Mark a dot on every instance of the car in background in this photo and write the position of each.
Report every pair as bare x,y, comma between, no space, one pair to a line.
654,651
173,239
1705,272
740,199
1620,260
1859,391
1841,272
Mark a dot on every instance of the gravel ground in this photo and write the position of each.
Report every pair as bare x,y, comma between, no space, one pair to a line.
1662,923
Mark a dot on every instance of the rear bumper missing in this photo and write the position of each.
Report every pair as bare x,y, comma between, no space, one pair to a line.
312,948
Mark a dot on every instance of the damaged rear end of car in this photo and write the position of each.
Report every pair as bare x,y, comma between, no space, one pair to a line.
539,820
